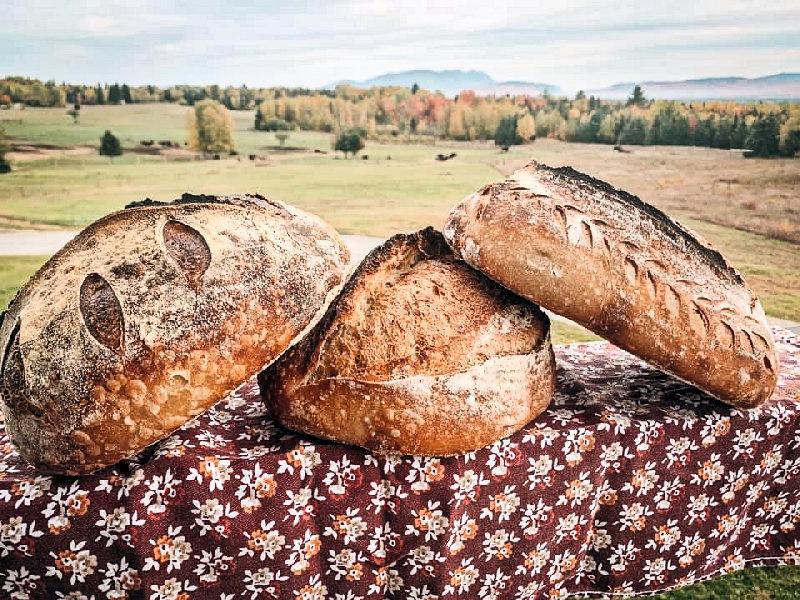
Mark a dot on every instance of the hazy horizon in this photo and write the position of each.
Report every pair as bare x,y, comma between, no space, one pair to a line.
574,45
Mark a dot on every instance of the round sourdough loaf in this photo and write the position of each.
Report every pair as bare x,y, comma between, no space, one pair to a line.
151,315
420,354
625,270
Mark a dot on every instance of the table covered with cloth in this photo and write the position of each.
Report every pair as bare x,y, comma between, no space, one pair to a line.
631,482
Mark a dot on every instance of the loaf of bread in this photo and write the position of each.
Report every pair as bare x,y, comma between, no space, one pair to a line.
625,270
420,354
151,315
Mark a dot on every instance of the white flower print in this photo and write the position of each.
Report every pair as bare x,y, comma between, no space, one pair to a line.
301,505
467,486
502,505
172,549
385,493
212,566
462,578
171,589
119,579
76,562
302,458
14,534
264,542
493,585
115,523
263,582
423,560
217,470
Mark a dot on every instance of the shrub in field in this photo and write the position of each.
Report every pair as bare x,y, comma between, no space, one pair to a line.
5,167
109,145
350,141
281,137
210,127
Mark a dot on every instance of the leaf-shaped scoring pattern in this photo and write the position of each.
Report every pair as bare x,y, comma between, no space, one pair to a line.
187,247
101,312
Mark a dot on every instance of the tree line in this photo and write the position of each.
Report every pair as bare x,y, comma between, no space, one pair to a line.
766,128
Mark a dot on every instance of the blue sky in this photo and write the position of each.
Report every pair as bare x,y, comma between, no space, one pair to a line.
571,43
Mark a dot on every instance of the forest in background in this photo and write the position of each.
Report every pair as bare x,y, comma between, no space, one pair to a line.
384,113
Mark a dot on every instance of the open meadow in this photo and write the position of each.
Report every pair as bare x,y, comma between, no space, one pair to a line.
749,208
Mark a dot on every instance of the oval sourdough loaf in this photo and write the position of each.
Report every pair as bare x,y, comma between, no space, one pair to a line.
625,270
151,315
420,354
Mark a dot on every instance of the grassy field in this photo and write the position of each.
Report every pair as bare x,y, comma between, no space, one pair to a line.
750,209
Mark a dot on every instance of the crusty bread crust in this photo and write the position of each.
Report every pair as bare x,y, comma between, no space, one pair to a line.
151,315
420,354
625,270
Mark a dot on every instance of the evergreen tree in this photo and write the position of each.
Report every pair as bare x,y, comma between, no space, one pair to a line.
762,138
722,139
634,132
739,132
99,96
126,94
506,133
414,89
637,98
109,145
114,95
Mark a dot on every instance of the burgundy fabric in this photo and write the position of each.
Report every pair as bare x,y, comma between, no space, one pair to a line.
630,482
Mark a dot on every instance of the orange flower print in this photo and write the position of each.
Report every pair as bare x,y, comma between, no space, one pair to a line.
162,549
607,497
78,504
208,466
469,530
58,524
697,547
434,470
586,442
66,561
266,486
311,547
354,572
257,541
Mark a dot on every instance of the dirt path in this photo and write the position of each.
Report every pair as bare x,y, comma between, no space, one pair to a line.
32,242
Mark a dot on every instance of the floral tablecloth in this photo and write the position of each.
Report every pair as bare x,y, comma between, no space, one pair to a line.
631,482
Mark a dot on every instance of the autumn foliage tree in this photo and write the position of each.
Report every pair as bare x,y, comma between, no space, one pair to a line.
210,127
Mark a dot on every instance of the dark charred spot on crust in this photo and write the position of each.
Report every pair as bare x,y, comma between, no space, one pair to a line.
128,270
188,248
145,202
243,200
101,312
673,229
13,377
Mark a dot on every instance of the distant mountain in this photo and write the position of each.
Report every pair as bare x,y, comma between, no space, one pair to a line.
783,86
452,82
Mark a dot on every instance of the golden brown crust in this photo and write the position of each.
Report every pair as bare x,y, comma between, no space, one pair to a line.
151,315
625,270
419,354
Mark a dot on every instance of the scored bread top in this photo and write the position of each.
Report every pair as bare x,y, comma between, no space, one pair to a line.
150,315
624,269
419,354
396,318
